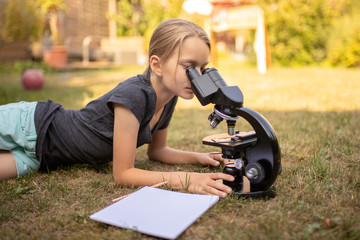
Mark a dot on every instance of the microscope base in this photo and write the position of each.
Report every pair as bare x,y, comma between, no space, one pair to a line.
269,193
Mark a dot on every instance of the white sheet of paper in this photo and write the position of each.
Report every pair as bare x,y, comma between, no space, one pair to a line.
156,212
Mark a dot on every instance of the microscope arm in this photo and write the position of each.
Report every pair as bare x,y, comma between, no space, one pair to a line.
265,152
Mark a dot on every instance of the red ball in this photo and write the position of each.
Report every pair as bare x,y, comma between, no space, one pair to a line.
32,79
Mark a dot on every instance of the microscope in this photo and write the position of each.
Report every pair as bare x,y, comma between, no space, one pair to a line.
254,157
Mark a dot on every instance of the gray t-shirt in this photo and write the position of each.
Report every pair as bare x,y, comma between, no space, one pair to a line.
66,137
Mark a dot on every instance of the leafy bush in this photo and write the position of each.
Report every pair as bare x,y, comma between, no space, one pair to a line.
22,21
303,32
344,41
298,30
139,17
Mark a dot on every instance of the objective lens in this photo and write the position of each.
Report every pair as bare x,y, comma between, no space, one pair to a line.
231,127
214,120
231,131
214,123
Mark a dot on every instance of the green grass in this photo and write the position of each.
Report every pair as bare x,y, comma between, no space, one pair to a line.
315,112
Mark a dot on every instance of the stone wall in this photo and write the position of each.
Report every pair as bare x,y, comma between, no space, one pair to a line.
84,18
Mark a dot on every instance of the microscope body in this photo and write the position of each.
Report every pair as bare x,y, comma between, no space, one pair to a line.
253,156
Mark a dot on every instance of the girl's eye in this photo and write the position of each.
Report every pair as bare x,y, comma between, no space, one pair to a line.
187,66
184,66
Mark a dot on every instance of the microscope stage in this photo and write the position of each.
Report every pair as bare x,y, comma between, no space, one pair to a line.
224,140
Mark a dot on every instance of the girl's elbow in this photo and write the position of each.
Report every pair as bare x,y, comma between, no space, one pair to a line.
125,178
157,154
153,156
118,179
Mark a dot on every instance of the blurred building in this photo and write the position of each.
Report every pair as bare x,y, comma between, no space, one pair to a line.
88,32
84,19
229,22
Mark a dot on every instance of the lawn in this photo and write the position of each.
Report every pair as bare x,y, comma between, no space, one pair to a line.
314,111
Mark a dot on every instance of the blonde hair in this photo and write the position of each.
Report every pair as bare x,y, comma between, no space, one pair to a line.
170,34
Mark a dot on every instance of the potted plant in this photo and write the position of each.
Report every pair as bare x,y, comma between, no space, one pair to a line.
55,54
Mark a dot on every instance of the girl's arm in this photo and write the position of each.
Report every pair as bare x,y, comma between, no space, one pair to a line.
158,151
126,128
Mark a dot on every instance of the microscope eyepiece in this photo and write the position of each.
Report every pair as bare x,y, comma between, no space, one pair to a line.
210,87
192,73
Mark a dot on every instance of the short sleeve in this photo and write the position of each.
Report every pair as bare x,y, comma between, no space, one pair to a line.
135,98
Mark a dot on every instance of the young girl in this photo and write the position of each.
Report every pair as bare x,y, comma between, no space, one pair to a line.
43,135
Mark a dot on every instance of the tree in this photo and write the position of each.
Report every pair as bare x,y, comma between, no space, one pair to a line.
22,21
140,17
344,41
52,8
305,32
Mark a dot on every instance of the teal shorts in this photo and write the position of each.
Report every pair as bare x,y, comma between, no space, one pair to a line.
18,135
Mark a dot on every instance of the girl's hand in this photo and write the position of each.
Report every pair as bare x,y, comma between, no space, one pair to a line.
208,183
213,159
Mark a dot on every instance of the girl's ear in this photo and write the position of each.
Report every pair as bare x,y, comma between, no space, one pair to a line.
155,65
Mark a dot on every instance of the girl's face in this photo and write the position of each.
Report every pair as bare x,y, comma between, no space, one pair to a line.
193,52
